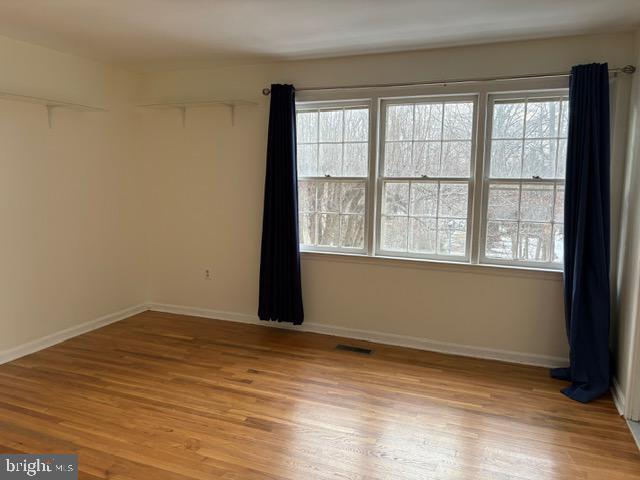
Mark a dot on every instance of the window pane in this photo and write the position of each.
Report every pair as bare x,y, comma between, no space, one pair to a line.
542,119
422,235
356,125
558,215
437,222
330,159
452,236
564,119
355,159
458,121
428,121
333,142
506,158
428,140
537,203
307,160
558,243
306,196
456,157
504,202
328,229
352,231
399,122
424,199
394,233
307,228
508,120
395,198
353,198
535,242
397,159
341,207
562,158
453,200
501,240
539,159
426,159
524,217
329,197
330,126
307,127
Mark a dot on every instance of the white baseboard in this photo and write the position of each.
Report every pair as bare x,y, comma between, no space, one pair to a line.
618,396
635,431
373,336
368,335
61,336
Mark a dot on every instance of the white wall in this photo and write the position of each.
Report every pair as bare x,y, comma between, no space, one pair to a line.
207,186
626,332
72,243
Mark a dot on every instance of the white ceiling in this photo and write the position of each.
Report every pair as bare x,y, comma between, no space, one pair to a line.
147,34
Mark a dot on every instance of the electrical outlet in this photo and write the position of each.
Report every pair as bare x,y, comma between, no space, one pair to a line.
208,274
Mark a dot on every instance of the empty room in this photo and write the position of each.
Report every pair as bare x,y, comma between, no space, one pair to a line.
320,239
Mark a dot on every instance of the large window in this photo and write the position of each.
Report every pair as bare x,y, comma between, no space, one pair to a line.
409,177
333,167
524,180
425,172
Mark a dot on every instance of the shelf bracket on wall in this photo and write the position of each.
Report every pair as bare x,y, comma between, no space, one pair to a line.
50,104
233,114
182,107
50,114
183,115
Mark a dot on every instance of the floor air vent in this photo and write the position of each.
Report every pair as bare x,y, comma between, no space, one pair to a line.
351,348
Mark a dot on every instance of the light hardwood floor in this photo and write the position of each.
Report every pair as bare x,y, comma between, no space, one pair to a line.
160,396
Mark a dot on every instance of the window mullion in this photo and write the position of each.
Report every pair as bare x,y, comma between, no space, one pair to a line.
524,135
318,142
427,179
315,217
478,214
441,141
553,222
559,128
437,217
371,223
333,179
518,181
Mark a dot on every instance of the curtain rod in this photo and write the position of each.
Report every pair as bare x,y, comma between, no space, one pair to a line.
627,69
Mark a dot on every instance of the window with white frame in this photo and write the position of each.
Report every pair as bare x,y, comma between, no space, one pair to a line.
424,177
408,187
333,167
524,180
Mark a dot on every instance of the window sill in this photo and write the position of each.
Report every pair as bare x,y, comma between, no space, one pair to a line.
459,267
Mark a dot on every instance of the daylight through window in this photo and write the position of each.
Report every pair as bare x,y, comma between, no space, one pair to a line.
525,194
429,172
333,163
425,174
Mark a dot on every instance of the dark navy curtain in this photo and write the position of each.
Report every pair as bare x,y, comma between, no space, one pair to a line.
586,235
280,286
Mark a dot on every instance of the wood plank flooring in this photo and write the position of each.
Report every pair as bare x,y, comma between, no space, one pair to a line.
160,396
